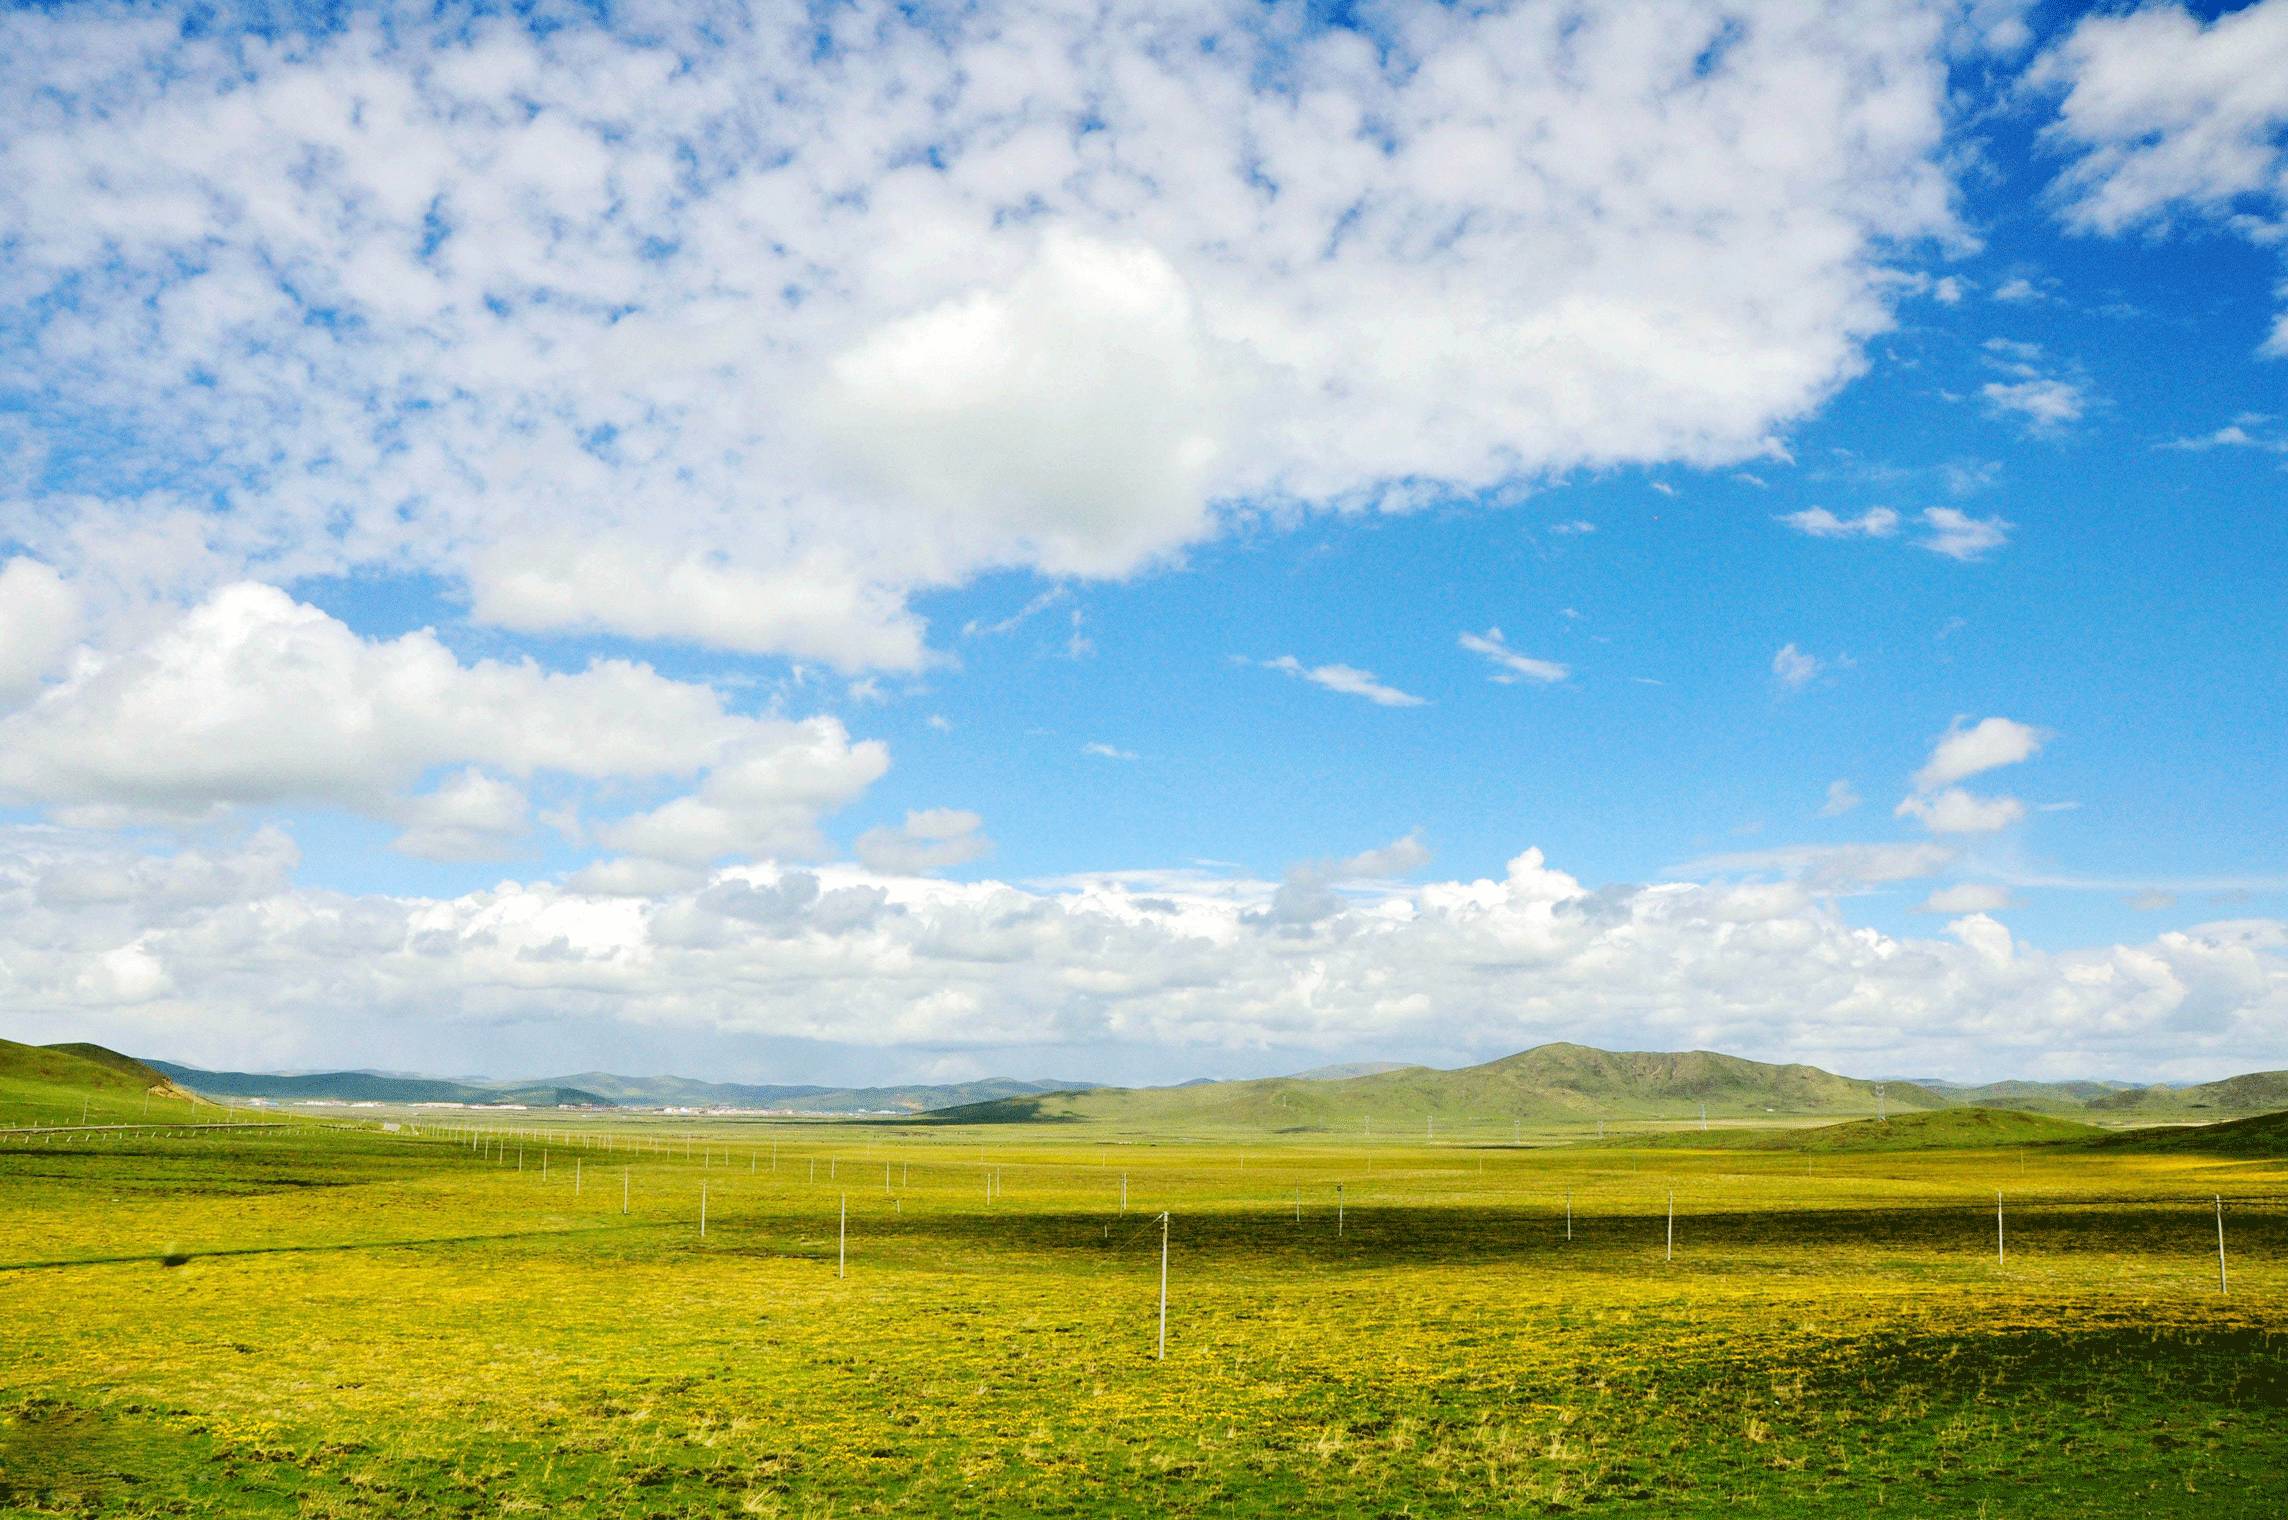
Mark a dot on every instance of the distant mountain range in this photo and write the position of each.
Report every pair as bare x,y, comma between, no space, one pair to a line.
1565,1082
597,1089
1549,1083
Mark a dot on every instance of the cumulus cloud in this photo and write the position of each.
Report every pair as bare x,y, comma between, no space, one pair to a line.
217,957
1955,811
1347,679
2164,113
747,335
764,798
254,698
1818,522
1946,530
471,817
1965,751
1510,666
929,840
1967,898
39,624
2046,403
1960,536
1842,797
1401,857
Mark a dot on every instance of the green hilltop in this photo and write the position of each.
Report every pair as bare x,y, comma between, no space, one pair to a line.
2259,1135
2249,1093
64,1084
1933,1130
1558,1083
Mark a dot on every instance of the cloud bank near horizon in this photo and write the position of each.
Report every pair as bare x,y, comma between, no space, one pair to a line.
219,957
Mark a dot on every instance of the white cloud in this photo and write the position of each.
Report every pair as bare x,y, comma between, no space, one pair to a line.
1574,529
1960,536
1966,898
2166,113
1348,679
746,336
1401,857
254,698
820,607
2046,403
763,798
929,840
1834,868
247,969
1989,743
1510,666
471,817
1103,751
2233,435
1955,811
978,629
39,624
1818,522
1842,797
2017,289
1794,669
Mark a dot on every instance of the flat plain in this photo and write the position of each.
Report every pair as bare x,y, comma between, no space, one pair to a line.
462,1318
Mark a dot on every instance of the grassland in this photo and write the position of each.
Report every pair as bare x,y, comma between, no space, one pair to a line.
316,1320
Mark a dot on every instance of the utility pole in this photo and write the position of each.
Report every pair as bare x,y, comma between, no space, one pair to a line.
1163,1353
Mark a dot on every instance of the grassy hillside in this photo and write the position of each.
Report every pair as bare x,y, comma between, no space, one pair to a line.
2034,1097
1943,1129
2262,1135
66,1084
1549,1084
2254,1092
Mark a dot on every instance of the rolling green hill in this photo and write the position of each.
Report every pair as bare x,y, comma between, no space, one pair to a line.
66,1084
1548,1084
1940,1129
2033,1097
2252,1092
2261,1135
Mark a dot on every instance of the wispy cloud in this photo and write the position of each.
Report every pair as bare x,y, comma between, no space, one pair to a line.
1794,669
1347,679
975,629
1510,666
2045,401
1103,751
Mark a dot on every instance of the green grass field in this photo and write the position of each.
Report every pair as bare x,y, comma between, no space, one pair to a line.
311,1320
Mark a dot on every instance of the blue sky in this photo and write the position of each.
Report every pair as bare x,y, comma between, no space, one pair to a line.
1001,546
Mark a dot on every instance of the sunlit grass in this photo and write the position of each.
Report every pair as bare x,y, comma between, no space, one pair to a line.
403,1325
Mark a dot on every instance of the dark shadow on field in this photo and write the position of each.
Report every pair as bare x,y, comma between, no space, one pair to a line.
1806,1241
320,1248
